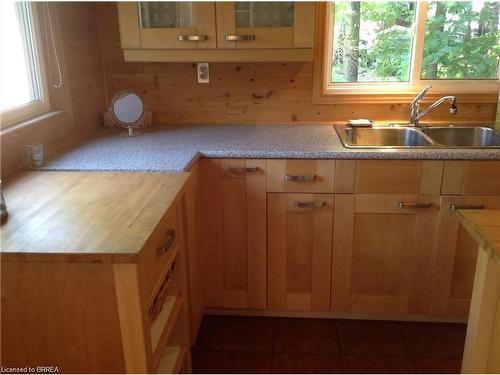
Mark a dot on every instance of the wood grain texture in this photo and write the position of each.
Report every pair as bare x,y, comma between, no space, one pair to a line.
105,215
80,102
484,226
321,172
382,254
455,259
232,233
482,342
244,93
62,315
471,177
299,252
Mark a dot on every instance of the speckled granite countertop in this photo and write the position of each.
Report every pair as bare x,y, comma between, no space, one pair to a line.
175,149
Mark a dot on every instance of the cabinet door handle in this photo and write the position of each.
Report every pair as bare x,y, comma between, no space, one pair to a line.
289,177
241,170
312,204
454,207
192,38
168,242
235,38
409,205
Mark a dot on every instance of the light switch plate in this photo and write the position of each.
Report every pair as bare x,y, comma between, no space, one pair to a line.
203,72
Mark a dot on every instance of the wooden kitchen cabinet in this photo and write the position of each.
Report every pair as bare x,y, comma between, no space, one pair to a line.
455,259
189,204
382,254
266,24
160,25
389,176
300,176
176,31
103,289
471,178
300,230
232,232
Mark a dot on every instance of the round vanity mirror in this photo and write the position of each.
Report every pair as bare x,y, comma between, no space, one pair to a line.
127,109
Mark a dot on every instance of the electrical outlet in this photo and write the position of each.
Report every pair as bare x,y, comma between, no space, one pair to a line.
203,72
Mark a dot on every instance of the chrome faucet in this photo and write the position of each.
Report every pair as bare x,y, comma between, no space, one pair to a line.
416,115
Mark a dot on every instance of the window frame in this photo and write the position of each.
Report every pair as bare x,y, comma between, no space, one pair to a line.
16,115
387,92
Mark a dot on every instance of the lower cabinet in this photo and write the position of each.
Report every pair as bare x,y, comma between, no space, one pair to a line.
382,252
300,228
455,260
232,232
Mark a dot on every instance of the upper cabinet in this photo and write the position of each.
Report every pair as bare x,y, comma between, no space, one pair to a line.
266,24
222,31
167,25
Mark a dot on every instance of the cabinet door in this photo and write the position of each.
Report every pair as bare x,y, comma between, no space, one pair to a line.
265,24
299,251
167,25
232,232
382,254
455,260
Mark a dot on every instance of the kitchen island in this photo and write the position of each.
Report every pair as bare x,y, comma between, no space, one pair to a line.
482,345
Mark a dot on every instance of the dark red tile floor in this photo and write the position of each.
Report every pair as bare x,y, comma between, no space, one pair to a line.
285,345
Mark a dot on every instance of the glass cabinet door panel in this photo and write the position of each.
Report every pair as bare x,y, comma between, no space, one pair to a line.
169,14
250,14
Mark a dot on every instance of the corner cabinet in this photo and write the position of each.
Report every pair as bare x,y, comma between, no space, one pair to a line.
222,31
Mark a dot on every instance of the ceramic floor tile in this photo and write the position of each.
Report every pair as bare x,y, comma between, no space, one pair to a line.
437,365
232,333
377,365
365,337
434,340
237,362
306,336
306,363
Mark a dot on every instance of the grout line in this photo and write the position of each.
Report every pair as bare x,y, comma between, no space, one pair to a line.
273,346
407,347
342,369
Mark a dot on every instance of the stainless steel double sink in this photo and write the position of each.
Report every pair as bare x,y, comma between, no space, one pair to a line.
403,136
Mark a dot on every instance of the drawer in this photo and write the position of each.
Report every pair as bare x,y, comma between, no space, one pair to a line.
157,252
471,178
396,176
300,176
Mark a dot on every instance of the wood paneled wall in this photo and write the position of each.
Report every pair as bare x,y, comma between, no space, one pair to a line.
239,93
82,97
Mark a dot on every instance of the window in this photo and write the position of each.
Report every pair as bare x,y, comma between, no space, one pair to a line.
400,46
461,40
22,92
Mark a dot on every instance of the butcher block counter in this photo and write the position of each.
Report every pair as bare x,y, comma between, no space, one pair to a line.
482,345
85,216
94,273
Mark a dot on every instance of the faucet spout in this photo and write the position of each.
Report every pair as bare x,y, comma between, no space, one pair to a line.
416,115
453,106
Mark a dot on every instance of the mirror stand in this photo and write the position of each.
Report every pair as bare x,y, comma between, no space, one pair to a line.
132,132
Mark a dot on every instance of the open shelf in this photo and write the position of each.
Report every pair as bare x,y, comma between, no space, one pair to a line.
166,319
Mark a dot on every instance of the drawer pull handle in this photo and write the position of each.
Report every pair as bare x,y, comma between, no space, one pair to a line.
168,243
309,204
192,38
235,38
413,205
241,170
289,177
454,207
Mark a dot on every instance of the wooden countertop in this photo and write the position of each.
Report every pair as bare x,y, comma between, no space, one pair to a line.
84,216
484,227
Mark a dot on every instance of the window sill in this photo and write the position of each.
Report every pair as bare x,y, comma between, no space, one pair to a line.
54,116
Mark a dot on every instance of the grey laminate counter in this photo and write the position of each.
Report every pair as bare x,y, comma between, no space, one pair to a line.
175,149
